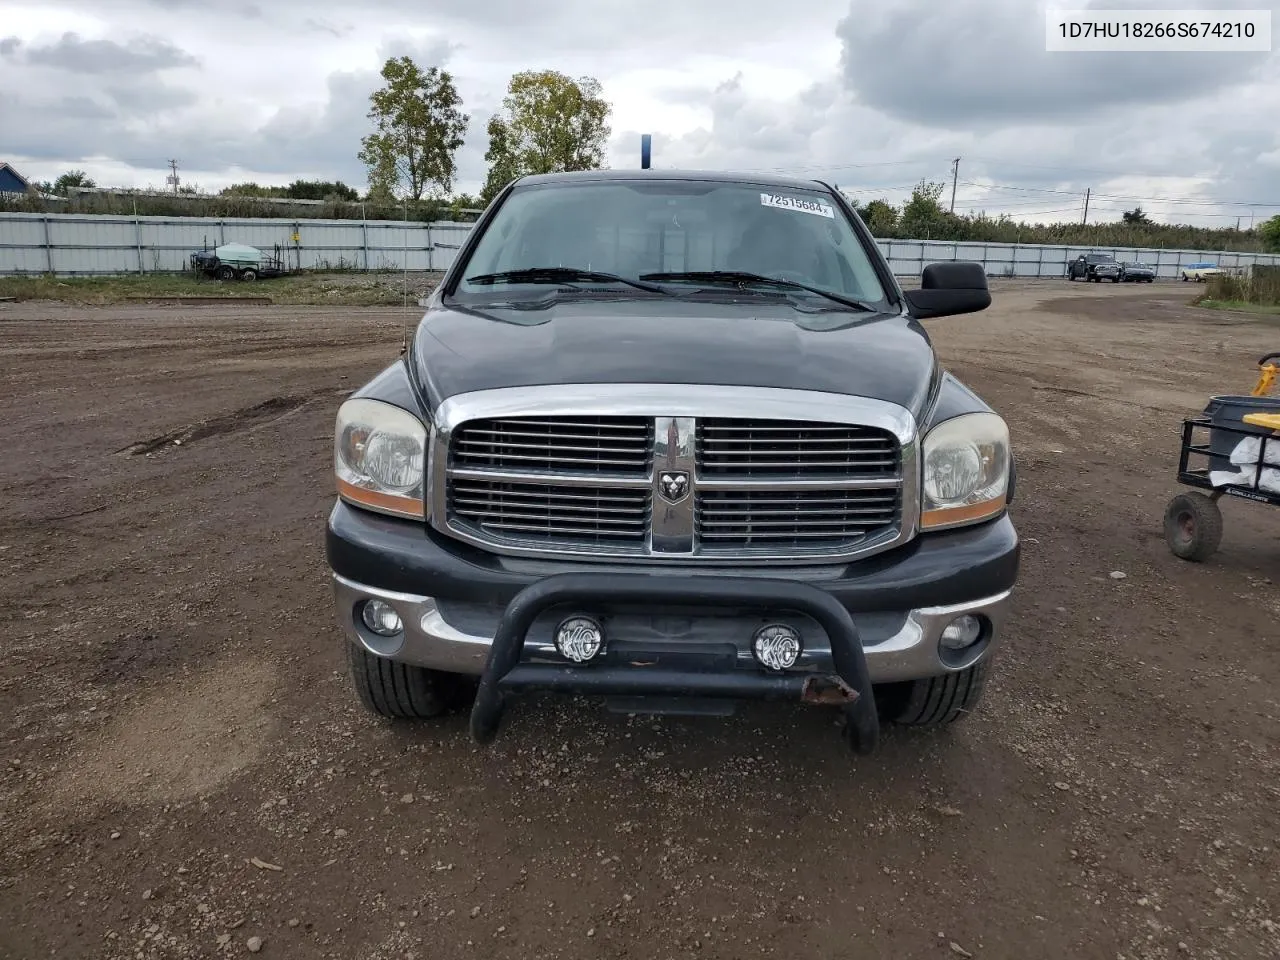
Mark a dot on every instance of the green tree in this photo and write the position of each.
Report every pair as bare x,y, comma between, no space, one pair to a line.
250,189
418,128
320,190
549,123
1269,231
880,217
1136,216
923,217
72,178
503,165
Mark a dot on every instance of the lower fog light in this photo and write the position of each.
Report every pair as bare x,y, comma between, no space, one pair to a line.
776,646
961,633
381,618
580,639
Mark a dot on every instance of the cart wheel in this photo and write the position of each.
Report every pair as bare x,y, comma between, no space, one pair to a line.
1193,526
249,275
226,272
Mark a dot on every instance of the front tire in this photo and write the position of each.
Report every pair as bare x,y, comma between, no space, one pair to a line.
400,691
1193,526
934,701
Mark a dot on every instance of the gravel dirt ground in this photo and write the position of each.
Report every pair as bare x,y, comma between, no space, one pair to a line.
184,771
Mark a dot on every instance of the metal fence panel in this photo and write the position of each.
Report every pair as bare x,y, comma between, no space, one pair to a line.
82,244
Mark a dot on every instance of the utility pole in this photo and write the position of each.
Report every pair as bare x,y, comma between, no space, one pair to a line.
1237,224
173,177
1085,219
955,175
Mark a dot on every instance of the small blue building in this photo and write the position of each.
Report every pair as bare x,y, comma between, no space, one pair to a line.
11,181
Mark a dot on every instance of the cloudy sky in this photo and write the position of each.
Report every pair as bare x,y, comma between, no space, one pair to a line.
871,95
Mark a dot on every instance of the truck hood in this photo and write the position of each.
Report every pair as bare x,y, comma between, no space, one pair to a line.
760,343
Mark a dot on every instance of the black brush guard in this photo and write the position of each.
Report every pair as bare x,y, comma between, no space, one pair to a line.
504,674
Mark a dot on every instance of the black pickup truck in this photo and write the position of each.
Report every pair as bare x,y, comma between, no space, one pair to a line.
1095,267
675,440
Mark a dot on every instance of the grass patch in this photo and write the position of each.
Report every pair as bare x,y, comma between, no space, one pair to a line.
1241,306
305,289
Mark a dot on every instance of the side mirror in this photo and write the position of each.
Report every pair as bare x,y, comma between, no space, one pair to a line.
947,289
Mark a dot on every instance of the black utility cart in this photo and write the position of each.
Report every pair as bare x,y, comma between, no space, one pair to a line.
238,261
1236,443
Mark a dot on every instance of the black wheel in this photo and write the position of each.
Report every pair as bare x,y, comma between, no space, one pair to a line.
1193,526
248,275
400,691
226,272
1115,279
935,701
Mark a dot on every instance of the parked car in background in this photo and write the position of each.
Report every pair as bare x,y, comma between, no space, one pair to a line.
1094,266
1134,272
1199,271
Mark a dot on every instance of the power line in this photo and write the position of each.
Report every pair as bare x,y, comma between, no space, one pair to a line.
832,167
1029,213
1048,191
1096,171
1206,202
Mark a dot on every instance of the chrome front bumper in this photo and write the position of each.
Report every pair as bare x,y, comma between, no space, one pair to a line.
898,646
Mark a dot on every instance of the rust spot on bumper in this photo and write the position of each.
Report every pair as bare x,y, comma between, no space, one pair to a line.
826,691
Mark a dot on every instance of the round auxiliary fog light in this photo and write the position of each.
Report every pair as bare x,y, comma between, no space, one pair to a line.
961,633
579,639
381,618
776,646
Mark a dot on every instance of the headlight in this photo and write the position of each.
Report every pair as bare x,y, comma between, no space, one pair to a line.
379,456
965,472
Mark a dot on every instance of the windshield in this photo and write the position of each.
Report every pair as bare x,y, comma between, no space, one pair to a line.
652,231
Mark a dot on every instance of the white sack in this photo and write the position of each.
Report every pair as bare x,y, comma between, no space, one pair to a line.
1248,450
1269,483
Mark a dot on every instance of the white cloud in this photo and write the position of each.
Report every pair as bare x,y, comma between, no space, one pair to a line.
869,94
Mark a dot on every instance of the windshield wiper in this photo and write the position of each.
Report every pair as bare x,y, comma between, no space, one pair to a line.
561,275
742,278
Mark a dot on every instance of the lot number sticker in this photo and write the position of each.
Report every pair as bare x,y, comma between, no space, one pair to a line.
816,207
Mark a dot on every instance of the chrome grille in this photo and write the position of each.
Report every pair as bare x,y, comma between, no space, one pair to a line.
799,519
531,475
808,448
542,510
619,445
